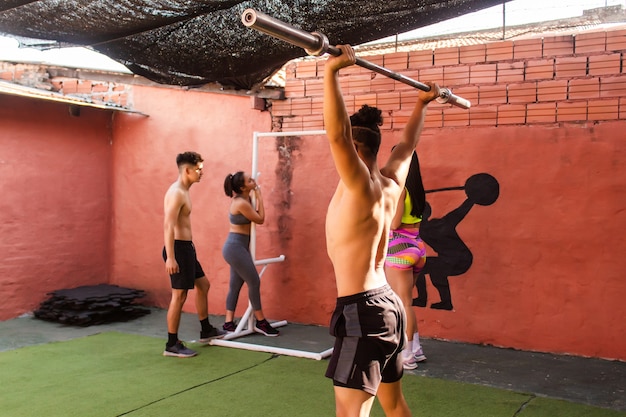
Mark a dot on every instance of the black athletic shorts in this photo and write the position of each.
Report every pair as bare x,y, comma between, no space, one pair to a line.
369,338
188,265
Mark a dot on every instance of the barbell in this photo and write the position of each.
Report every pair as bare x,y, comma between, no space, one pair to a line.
316,44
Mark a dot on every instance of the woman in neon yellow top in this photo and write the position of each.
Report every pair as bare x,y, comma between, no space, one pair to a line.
406,256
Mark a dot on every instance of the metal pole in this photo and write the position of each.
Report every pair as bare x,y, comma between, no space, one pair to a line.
316,44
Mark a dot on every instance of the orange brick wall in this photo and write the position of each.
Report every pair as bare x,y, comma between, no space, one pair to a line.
531,81
547,121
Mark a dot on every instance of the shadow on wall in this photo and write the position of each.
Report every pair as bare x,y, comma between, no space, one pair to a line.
453,256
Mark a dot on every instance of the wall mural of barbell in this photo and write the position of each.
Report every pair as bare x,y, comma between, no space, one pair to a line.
316,44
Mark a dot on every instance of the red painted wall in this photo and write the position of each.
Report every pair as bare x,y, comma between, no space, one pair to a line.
546,122
55,177
217,126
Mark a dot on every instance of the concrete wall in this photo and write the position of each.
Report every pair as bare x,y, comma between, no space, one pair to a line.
55,179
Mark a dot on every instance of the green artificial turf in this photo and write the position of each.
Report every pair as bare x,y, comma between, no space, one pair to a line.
113,374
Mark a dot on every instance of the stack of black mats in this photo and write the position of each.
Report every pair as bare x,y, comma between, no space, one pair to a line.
90,305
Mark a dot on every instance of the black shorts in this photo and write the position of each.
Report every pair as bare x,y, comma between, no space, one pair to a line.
369,338
189,267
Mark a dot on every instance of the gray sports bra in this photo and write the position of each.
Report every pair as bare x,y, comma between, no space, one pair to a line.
238,219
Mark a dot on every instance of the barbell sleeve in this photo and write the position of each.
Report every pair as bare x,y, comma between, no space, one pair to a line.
317,44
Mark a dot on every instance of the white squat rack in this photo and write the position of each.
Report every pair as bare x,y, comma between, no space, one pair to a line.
246,324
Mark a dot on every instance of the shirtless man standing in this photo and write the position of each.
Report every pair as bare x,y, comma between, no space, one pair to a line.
368,321
179,254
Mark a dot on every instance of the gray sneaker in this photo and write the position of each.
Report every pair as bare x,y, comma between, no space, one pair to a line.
179,350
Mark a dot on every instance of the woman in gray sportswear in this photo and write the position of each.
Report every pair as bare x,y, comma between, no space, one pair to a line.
236,249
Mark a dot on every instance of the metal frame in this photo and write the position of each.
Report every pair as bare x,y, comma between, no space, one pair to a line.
246,324
316,43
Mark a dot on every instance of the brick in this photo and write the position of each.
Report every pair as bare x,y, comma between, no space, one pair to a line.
539,70
522,93
431,74
605,64
568,111
590,42
616,40
541,113
358,84
56,85
603,109
294,88
301,106
8,76
361,99
456,75
492,94
483,116
510,72
584,88
313,122
306,69
314,87
455,116
400,118
482,74
434,117
99,87
447,56
352,70
70,86
388,101
558,46
290,70
613,87
552,90
499,51
468,93
527,48
471,54
383,83
317,105
293,123
418,59
570,67
398,61
511,114
281,107
622,108
408,99
375,59
399,86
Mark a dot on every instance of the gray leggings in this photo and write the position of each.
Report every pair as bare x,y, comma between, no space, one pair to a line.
236,252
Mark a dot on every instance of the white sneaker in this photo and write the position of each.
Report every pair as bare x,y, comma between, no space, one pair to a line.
409,363
419,356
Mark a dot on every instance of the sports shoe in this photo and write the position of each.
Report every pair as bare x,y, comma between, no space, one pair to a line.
264,327
213,333
179,350
419,355
229,326
409,363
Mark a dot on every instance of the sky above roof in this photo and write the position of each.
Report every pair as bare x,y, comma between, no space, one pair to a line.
517,12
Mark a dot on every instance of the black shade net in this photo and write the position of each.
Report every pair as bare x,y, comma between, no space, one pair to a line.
189,43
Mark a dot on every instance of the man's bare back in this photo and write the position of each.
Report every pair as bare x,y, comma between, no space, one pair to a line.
357,227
